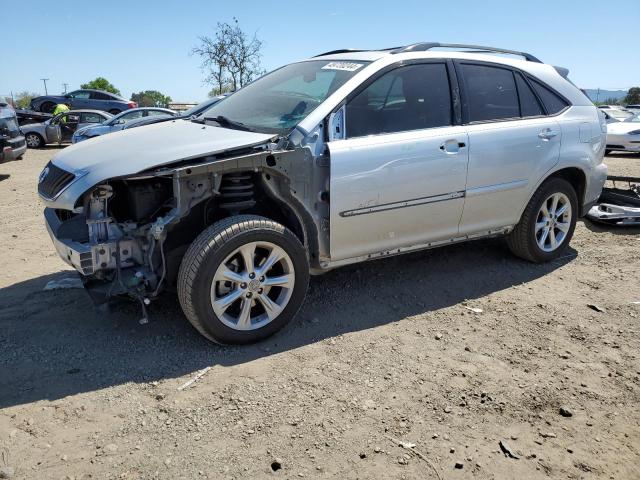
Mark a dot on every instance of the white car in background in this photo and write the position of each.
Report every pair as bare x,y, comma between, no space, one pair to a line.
615,115
624,136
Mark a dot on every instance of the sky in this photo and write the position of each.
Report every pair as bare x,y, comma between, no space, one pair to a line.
145,45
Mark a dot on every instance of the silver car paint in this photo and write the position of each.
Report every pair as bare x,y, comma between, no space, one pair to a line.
374,178
132,151
391,169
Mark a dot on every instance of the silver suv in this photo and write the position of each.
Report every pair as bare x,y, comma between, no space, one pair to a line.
348,156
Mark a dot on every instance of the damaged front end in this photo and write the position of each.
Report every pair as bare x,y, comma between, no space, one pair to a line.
127,236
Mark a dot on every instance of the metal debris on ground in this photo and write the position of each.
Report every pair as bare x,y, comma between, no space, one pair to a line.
507,450
595,307
197,377
618,206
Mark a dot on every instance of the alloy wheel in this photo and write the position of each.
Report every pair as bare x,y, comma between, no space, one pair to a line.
252,286
32,140
553,222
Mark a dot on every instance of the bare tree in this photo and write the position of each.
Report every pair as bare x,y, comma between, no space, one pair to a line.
231,59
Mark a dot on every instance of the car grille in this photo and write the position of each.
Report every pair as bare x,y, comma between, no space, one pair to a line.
53,183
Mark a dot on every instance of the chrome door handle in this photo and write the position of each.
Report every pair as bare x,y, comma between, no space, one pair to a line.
452,146
547,134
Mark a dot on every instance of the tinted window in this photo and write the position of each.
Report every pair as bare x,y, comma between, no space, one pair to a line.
151,113
490,93
91,118
529,104
407,98
552,101
100,96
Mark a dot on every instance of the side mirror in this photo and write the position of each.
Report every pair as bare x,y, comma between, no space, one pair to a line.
336,125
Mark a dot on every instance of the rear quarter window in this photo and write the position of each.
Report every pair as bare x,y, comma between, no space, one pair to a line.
551,100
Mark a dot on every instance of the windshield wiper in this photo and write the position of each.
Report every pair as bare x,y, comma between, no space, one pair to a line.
227,122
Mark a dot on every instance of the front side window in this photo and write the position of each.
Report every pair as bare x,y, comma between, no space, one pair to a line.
490,93
407,98
280,100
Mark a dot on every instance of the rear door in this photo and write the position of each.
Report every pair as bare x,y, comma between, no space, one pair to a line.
512,142
89,118
398,178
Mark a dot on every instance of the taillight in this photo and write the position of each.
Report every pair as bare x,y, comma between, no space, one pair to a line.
133,105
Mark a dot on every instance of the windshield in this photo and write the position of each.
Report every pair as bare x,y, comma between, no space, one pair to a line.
615,113
281,99
634,119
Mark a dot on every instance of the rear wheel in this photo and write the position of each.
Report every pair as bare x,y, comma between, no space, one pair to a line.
47,107
33,140
547,224
243,279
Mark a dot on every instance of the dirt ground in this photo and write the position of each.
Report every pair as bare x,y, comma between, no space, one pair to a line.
381,353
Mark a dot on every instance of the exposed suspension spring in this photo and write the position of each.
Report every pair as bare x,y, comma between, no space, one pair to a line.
237,192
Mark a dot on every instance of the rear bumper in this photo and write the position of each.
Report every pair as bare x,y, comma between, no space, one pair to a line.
10,153
595,181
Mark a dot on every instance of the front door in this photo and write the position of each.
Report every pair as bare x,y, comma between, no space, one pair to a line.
398,178
68,124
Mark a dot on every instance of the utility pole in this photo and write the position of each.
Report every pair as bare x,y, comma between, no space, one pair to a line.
598,95
44,80
65,85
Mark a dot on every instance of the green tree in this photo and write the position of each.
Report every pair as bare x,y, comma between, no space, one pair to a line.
101,83
23,99
230,59
633,96
151,98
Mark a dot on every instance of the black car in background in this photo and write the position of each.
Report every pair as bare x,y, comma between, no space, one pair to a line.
12,143
83,99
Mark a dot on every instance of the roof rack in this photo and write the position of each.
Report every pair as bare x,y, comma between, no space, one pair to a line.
424,46
342,50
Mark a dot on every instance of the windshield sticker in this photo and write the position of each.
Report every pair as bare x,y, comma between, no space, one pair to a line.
345,66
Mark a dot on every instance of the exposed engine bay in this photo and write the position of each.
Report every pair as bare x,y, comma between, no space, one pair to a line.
127,235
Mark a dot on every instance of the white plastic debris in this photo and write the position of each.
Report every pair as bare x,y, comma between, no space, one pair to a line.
64,283
197,377
474,309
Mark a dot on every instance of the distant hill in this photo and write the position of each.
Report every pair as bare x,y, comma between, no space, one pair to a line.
604,94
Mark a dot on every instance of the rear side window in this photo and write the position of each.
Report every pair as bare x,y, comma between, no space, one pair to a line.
490,93
408,98
529,104
91,118
100,96
552,102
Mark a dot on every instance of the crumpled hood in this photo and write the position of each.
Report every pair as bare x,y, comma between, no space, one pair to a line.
131,151
128,152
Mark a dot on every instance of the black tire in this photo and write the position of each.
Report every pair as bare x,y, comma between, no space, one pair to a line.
47,107
114,111
212,247
522,240
36,142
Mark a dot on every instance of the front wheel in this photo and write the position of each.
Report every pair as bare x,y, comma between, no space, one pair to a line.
243,279
33,140
547,224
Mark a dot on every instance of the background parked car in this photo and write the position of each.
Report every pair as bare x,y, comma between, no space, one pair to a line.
624,136
93,99
12,143
60,128
119,122
615,115
190,113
